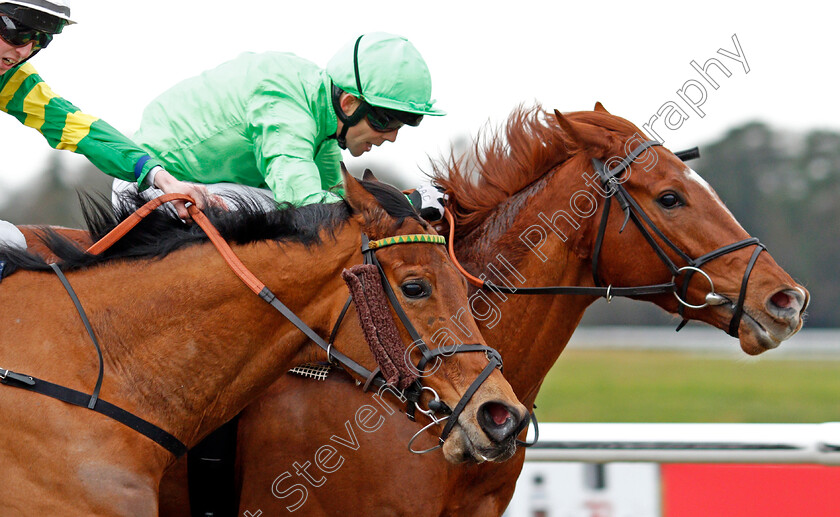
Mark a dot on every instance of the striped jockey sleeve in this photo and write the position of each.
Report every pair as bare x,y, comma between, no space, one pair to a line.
25,96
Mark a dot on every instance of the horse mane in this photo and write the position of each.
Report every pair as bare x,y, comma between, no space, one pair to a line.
508,160
163,232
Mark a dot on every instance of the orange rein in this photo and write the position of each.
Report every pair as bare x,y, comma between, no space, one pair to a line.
227,253
451,245
198,216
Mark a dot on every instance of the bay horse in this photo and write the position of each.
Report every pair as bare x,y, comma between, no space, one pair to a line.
185,346
506,198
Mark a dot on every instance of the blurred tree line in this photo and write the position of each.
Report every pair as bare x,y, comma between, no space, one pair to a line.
54,197
782,187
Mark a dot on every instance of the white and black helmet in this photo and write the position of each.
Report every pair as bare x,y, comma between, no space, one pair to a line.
49,16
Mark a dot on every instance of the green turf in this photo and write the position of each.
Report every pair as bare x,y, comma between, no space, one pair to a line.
645,386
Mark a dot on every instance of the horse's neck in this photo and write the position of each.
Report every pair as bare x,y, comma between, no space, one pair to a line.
213,345
532,330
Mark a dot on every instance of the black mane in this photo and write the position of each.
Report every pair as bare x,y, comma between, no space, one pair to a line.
162,232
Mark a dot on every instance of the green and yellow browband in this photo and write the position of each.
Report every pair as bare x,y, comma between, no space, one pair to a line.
406,239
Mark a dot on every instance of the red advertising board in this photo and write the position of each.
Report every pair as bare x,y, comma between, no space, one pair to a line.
716,490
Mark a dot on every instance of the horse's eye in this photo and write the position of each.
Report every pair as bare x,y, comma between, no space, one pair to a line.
670,200
415,289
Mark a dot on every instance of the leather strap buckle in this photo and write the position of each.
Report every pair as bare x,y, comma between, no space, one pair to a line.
6,376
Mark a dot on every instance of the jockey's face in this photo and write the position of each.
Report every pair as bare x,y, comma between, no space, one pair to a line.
361,137
10,56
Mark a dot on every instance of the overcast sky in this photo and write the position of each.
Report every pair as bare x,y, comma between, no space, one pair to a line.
485,58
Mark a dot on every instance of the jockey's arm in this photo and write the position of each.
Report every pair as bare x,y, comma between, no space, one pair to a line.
26,96
300,165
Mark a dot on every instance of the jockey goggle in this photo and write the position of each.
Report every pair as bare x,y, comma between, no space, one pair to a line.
17,34
385,120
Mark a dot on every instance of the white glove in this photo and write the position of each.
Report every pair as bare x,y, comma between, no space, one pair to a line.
428,200
10,236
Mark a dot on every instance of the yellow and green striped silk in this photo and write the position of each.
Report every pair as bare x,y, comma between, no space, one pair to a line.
25,96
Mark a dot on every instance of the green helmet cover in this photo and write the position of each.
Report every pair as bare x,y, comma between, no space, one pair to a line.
392,73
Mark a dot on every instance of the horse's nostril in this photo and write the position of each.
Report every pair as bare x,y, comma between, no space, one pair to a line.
498,421
499,414
781,300
789,300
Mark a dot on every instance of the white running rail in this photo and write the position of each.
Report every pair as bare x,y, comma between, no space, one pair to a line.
688,443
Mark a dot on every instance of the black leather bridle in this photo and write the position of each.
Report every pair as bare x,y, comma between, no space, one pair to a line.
633,211
413,393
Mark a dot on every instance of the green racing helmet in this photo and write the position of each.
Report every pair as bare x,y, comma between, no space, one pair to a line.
389,76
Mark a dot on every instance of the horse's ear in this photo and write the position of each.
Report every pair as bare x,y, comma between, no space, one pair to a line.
600,107
588,137
368,176
360,200
354,193
569,129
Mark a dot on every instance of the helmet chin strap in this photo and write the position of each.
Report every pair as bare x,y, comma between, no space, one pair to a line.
363,108
28,57
347,121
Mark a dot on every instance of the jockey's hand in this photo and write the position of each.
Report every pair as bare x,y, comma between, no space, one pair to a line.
428,200
169,185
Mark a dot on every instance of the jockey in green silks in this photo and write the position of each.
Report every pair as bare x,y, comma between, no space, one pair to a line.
26,28
276,123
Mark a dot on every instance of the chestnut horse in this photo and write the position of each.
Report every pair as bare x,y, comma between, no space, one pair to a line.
186,347
528,212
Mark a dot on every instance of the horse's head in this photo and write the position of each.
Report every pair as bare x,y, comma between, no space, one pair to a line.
662,217
485,415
